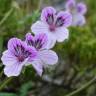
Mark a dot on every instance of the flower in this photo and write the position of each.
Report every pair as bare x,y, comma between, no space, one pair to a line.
53,24
78,11
45,56
17,55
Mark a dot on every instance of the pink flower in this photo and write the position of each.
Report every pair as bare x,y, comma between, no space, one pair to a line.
17,55
78,11
45,56
53,24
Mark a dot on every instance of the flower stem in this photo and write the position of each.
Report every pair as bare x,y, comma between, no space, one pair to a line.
6,16
82,87
1,73
40,4
6,81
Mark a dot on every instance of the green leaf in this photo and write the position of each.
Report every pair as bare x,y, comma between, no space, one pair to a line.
25,88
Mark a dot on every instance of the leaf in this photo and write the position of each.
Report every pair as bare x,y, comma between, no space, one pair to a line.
25,88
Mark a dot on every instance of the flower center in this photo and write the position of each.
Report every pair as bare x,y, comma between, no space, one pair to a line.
21,53
52,27
21,58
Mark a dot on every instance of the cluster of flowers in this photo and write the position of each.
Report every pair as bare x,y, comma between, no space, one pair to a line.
36,49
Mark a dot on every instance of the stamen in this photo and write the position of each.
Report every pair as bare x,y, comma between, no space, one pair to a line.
21,58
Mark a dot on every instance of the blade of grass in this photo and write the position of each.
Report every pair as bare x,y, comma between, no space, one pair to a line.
6,81
82,87
6,16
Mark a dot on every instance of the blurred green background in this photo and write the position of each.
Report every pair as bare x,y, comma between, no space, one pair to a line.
77,55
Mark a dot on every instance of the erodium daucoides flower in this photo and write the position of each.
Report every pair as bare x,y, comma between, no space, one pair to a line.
45,56
17,55
78,11
53,24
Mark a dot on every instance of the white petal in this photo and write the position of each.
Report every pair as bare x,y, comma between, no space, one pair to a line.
48,57
61,34
8,58
13,70
39,27
51,41
78,20
37,64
